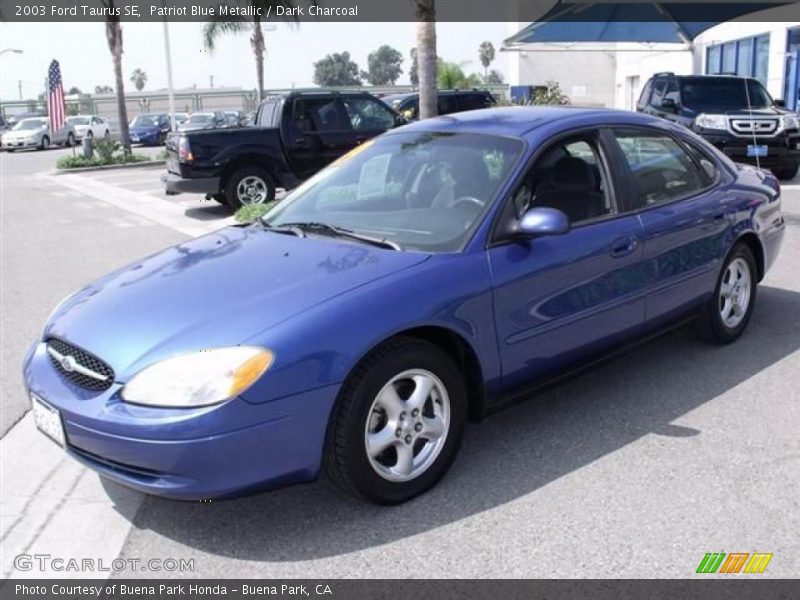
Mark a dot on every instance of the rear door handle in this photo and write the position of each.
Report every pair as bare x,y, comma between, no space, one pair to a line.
623,247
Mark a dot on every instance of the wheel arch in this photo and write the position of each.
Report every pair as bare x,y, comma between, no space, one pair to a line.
251,159
454,345
751,240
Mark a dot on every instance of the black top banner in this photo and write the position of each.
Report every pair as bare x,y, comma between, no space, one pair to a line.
337,11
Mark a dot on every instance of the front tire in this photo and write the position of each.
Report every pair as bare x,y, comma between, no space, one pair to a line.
787,174
45,144
729,310
70,140
249,185
398,422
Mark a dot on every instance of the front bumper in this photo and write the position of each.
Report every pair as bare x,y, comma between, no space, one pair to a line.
783,150
19,144
150,138
175,184
218,451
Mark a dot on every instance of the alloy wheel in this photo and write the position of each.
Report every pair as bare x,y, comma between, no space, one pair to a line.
734,293
407,425
252,190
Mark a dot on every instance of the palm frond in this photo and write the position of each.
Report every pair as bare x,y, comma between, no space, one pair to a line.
214,29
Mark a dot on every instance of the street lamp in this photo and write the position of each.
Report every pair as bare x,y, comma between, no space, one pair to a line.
12,50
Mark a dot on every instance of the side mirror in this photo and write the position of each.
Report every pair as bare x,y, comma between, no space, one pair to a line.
780,102
540,221
669,104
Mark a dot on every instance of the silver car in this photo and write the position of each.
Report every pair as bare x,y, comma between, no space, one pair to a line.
35,133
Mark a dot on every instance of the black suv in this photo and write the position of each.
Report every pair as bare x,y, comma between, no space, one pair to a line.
450,101
736,114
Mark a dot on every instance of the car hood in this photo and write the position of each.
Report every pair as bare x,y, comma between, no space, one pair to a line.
217,290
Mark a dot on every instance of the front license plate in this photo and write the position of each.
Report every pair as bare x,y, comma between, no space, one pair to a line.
48,420
134,138
753,150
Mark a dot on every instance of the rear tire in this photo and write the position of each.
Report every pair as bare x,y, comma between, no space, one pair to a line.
728,312
413,438
249,185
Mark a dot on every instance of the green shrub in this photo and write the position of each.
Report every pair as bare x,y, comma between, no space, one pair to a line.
75,162
162,154
106,152
252,212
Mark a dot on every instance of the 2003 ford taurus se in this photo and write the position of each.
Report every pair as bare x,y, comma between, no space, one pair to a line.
428,277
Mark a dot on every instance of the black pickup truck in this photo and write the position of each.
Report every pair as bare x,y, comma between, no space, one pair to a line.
293,137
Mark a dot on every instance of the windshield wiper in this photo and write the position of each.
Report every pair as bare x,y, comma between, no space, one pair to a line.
324,228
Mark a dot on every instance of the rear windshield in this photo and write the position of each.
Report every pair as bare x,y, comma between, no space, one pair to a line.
724,93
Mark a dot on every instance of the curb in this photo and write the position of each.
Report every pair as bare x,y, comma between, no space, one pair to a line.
136,165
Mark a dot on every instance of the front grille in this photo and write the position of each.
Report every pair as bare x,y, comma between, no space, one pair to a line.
100,375
754,126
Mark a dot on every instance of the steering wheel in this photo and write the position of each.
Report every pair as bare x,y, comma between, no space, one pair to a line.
466,201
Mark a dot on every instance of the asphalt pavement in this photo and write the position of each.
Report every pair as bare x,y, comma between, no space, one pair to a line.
636,469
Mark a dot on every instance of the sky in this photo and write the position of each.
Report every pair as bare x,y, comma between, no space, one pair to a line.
86,62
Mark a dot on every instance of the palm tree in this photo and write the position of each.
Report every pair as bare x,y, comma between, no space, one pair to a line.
139,78
114,39
426,57
215,29
486,54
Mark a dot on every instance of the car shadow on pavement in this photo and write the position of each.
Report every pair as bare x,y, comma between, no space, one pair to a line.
210,211
509,455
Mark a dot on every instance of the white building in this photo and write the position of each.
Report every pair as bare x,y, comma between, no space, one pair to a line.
613,75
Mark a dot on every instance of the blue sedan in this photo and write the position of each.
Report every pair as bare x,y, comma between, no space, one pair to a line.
431,276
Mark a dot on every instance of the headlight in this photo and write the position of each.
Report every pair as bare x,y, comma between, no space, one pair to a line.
705,121
789,122
198,379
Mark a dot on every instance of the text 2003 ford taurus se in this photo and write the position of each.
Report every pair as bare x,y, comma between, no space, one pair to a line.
426,277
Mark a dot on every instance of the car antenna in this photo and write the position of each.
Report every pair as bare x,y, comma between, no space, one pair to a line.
753,123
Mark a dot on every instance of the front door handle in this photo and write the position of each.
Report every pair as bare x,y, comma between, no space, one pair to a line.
624,247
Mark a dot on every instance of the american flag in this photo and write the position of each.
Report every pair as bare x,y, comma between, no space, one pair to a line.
55,98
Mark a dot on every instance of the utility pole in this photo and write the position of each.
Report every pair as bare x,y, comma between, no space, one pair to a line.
172,124
19,83
211,81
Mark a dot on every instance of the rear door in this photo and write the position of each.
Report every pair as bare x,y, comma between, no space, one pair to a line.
316,131
684,213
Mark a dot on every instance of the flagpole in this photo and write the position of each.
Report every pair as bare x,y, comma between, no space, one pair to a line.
169,78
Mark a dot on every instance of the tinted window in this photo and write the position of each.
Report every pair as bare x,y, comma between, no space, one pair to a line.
367,114
658,92
318,114
447,104
474,101
266,115
645,95
660,167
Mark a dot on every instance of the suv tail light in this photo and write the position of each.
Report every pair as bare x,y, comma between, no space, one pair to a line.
184,151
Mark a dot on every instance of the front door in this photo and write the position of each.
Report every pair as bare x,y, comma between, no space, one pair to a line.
561,298
316,133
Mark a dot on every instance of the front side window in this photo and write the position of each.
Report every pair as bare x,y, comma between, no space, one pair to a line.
569,176
423,191
368,115
318,115
661,168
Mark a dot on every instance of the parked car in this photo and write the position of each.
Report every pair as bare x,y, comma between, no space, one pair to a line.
16,118
150,129
4,126
181,118
204,120
236,118
735,114
449,101
35,133
296,135
91,126
433,275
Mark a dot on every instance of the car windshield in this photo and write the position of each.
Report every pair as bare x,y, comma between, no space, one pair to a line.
145,121
78,120
31,124
724,93
421,191
201,118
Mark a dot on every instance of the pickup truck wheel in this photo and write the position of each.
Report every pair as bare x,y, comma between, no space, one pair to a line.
786,174
249,185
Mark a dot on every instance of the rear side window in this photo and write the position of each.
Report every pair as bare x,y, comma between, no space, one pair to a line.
662,170
266,115
318,115
659,86
474,101
447,104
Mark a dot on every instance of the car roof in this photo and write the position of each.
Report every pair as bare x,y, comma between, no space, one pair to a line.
516,121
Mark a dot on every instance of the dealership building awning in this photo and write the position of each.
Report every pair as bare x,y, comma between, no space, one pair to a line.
646,22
